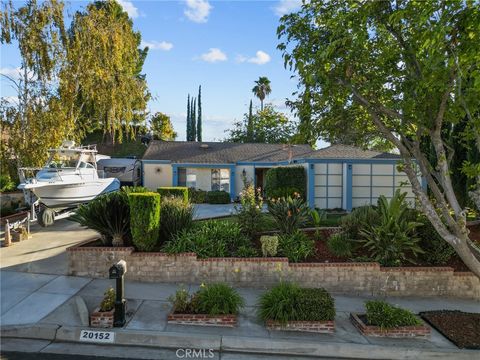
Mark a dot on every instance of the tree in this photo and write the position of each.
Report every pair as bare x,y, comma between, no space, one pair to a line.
412,68
101,84
199,116
250,128
269,126
194,119
189,122
262,89
162,128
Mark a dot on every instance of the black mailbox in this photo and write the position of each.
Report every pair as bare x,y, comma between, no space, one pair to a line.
117,271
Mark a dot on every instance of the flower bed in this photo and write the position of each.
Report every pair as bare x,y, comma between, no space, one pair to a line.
359,320
461,328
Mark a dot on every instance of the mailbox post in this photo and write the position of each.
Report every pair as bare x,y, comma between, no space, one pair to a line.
117,271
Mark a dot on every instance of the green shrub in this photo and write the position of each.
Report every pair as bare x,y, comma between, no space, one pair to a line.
290,214
283,192
218,299
212,238
245,251
287,177
269,245
181,301
317,217
108,302
144,219
249,212
107,214
296,247
6,183
218,197
393,240
340,245
436,250
380,313
175,216
134,189
197,196
359,219
177,192
288,302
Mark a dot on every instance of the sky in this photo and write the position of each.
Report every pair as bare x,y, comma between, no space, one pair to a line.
224,46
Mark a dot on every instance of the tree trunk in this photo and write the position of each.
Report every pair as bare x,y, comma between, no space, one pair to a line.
467,255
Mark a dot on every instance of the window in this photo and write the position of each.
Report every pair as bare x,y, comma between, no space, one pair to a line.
220,180
187,177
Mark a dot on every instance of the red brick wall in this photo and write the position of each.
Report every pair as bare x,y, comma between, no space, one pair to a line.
307,326
400,332
101,319
202,319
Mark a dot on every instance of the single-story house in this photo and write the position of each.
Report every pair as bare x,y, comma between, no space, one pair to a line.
339,176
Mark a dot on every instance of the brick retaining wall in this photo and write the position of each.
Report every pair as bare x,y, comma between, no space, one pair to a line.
346,278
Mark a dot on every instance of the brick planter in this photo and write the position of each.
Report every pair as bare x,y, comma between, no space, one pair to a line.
101,319
203,320
421,331
324,327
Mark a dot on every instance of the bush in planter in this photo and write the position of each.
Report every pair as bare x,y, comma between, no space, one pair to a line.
218,197
175,216
177,191
285,177
181,301
109,215
288,302
296,247
197,196
211,238
249,212
289,213
381,313
144,219
340,245
108,302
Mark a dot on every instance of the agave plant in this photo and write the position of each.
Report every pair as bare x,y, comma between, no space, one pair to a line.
107,214
393,239
289,213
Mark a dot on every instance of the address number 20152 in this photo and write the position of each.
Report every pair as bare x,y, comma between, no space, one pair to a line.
97,336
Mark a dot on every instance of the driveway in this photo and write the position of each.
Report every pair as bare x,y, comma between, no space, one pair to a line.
207,211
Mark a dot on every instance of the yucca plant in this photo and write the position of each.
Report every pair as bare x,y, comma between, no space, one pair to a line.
392,240
109,215
289,213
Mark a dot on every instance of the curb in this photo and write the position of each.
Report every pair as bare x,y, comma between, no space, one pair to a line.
231,344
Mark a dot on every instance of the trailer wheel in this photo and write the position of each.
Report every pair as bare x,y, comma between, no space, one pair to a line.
45,216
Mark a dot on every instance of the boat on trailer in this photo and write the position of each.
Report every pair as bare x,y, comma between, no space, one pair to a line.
68,179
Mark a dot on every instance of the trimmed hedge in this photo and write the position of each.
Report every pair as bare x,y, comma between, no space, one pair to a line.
286,179
197,196
174,191
144,219
289,302
381,313
218,197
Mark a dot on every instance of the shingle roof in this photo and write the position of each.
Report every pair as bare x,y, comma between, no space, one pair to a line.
339,151
230,153
222,152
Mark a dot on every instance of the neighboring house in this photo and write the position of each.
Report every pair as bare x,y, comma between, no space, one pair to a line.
339,176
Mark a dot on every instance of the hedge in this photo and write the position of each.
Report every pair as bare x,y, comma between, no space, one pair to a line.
197,196
218,197
381,313
284,180
177,191
144,219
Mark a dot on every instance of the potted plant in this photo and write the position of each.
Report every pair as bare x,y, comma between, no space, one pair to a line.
102,316
289,307
212,305
384,320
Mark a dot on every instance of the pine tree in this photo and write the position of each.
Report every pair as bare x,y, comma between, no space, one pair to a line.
199,116
194,120
250,123
189,123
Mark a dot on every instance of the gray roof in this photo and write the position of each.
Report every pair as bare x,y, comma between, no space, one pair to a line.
230,153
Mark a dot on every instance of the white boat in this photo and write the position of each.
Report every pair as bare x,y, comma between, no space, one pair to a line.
69,178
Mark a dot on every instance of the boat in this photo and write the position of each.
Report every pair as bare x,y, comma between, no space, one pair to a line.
68,179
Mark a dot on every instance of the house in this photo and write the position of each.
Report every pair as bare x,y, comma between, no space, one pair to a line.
339,176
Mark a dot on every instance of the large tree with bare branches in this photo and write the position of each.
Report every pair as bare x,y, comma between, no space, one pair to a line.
412,69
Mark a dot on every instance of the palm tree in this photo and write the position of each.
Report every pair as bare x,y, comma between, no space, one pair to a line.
262,89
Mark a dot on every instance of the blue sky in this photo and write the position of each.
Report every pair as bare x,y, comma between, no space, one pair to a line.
222,45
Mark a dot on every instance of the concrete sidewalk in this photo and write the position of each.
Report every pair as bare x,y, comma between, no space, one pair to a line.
43,307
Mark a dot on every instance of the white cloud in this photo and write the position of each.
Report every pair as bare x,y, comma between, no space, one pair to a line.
260,58
287,6
13,73
128,6
157,45
198,10
214,55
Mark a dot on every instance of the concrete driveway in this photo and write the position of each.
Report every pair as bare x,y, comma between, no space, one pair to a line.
44,252
207,211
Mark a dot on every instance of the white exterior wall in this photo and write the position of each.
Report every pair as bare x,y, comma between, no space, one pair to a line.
157,175
250,174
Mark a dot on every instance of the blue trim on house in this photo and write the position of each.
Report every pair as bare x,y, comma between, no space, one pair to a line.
311,185
260,163
203,165
354,161
156,161
349,186
232,182
174,175
326,186
141,173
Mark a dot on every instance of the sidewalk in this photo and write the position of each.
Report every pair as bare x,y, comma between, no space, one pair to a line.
43,307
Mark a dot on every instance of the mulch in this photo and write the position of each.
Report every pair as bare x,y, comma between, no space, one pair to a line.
461,328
